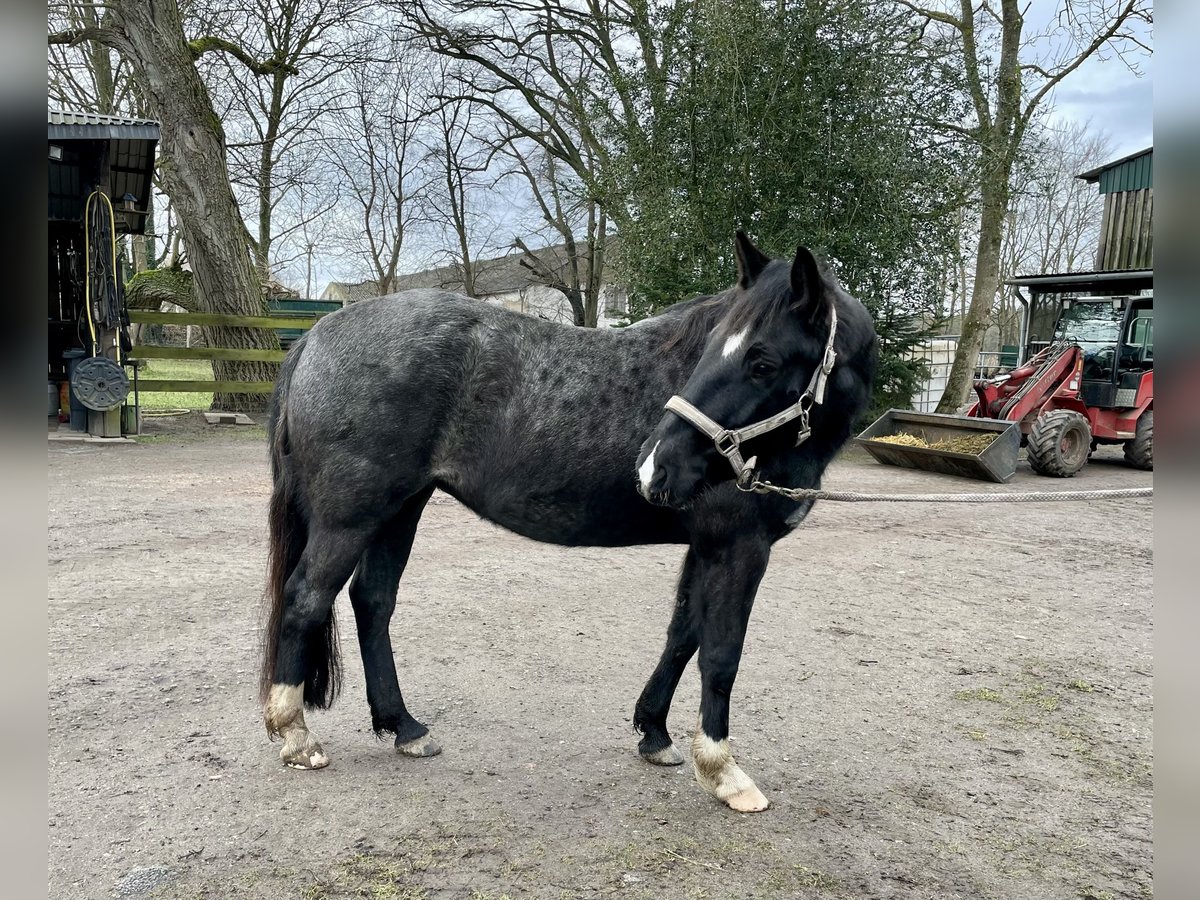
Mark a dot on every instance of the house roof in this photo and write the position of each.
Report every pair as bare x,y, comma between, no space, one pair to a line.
498,275
351,291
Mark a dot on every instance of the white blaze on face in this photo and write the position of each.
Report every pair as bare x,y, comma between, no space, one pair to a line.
734,342
646,470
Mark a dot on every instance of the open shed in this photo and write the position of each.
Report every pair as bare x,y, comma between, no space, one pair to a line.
100,178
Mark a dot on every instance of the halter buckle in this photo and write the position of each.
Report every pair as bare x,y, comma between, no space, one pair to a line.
727,443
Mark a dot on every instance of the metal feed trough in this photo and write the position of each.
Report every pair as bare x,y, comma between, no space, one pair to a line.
996,462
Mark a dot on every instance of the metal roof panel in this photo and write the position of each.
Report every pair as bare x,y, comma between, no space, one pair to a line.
69,124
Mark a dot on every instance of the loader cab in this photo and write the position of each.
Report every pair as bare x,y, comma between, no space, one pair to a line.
1116,335
1109,314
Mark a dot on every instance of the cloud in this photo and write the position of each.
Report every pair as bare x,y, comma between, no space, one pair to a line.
1106,96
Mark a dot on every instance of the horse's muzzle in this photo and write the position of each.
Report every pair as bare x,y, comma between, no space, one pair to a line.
667,475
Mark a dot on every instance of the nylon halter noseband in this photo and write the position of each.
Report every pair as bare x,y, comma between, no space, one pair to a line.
728,441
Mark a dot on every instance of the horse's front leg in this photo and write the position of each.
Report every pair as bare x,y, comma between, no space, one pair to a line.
683,637
729,578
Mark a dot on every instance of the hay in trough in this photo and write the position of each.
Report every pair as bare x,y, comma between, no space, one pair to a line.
974,444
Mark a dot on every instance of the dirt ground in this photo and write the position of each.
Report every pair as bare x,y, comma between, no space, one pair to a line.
940,702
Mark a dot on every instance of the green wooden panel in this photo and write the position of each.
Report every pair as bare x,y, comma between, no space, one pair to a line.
149,317
1131,175
218,387
300,307
150,351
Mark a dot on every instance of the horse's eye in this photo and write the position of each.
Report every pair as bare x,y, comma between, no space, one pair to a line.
762,369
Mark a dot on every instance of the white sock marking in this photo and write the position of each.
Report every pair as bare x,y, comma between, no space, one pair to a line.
646,470
734,342
721,776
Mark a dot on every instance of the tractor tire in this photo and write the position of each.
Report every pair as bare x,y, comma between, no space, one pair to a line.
1139,452
1058,443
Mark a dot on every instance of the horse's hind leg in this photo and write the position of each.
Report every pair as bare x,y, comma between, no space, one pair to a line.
373,595
306,650
683,637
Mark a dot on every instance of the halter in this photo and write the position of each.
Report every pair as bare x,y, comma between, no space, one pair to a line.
728,441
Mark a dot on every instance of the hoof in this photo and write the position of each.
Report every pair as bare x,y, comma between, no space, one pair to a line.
748,801
310,756
667,756
718,774
422,746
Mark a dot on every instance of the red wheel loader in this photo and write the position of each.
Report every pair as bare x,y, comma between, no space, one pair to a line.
1087,379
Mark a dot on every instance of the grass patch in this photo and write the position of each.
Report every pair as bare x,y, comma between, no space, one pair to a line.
1080,685
1036,696
189,369
813,879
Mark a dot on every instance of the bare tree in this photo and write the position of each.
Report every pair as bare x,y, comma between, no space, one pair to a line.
1055,218
308,235
87,76
149,36
565,209
273,120
1009,73
373,146
551,73
457,163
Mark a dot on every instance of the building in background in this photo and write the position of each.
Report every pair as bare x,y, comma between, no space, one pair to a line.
505,281
1127,229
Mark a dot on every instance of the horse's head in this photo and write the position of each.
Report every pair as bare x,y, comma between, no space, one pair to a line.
762,369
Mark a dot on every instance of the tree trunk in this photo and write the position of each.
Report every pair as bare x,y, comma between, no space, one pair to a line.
266,176
983,293
193,172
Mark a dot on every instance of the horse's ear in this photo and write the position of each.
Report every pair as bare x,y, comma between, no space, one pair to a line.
807,284
750,260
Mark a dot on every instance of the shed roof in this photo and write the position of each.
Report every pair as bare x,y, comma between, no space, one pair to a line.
1069,282
1129,173
73,124
90,151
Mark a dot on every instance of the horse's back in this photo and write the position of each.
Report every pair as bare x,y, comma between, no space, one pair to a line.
534,425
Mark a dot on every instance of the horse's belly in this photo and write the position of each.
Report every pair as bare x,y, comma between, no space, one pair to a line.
569,516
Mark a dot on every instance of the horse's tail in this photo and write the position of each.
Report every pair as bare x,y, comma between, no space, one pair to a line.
288,534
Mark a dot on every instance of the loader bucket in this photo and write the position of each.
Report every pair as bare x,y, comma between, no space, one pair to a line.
951,445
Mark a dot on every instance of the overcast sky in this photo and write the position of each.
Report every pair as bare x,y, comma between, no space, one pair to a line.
1103,92
1111,98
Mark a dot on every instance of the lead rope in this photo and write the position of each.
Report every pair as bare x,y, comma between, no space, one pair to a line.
765,487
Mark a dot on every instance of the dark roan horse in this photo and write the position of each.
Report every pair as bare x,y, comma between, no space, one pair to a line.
559,434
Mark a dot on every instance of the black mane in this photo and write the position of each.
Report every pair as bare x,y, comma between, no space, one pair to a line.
695,319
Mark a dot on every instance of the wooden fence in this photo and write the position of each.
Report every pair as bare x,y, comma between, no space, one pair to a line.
277,323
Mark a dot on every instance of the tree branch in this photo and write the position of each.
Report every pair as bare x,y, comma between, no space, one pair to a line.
74,36
932,14
1098,41
210,44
